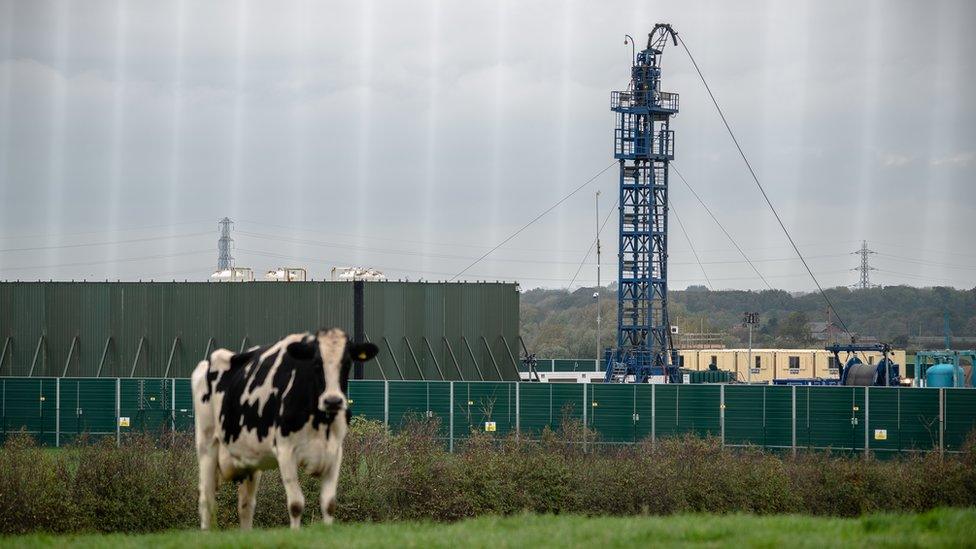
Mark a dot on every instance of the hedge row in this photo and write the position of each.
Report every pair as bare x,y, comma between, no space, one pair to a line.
145,485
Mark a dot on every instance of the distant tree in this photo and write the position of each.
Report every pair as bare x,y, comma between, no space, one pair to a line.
794,328
971,327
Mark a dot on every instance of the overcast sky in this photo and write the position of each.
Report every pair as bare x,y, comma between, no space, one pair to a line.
414,136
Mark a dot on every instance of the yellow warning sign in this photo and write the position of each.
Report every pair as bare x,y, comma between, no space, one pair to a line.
880,434
490,427
123,421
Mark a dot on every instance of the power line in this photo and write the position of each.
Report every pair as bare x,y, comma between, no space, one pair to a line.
923,262
123,230
536,218
105,262
720,226
761,189
108,243
690,245
390,268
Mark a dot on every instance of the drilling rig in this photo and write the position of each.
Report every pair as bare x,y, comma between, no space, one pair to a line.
643,146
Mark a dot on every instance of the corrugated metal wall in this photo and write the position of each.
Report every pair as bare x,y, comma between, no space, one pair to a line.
881,419
444,331
162,329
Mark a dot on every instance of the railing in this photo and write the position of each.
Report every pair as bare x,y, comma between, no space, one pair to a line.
636,99
631,142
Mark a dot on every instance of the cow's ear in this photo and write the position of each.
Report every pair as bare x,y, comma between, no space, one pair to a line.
301,350
363,351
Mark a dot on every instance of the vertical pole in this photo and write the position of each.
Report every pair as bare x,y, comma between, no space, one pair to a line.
793,423
584,415
721,410
764,415
941,422
386,404
598,281
518,411
451,420
867,420
172,407
57,412
118,411
358,324
749,360
653,415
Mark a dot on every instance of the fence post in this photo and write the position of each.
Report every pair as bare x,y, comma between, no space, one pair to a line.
57,411
867,421
793,423
172,407
451,420
118,411
941,422
518,412
653,415
584,416
721,410
386,404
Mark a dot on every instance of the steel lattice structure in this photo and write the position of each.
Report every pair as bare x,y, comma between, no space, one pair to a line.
643,145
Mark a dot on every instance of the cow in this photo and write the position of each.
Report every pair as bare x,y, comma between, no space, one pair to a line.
281,405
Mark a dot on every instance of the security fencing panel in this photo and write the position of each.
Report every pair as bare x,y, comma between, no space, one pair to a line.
483,407
881,421
958,407
87,409
366,399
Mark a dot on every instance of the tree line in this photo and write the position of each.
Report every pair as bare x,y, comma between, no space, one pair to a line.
559,323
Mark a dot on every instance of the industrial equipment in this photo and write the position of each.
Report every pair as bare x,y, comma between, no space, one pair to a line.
853,371
944,369
357,273
644,145
233,274
287,274
856,372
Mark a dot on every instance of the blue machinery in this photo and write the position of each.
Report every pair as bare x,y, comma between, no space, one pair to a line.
853,371
926,359
643,145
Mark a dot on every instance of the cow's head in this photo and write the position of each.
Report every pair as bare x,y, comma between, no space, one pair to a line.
336,353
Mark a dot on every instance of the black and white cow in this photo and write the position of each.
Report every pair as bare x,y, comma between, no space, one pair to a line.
282,405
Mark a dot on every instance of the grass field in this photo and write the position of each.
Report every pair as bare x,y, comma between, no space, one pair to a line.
943,527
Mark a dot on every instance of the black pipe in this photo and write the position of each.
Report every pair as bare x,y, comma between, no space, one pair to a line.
358,324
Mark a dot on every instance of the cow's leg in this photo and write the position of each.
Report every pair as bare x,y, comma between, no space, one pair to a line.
327,497
206,445
247,495
293,490
207,458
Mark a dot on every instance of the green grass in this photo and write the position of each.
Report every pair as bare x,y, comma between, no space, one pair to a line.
942,527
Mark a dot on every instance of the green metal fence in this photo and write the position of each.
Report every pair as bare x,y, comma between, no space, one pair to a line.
859,419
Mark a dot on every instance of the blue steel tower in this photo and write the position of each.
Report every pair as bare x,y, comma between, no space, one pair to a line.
643,144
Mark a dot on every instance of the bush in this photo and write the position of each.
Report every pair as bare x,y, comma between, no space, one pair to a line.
144,485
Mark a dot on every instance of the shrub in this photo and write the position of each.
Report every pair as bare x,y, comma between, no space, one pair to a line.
148,485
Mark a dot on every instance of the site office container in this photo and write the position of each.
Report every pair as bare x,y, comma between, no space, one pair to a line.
795,363
763,364
722,359
689,359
